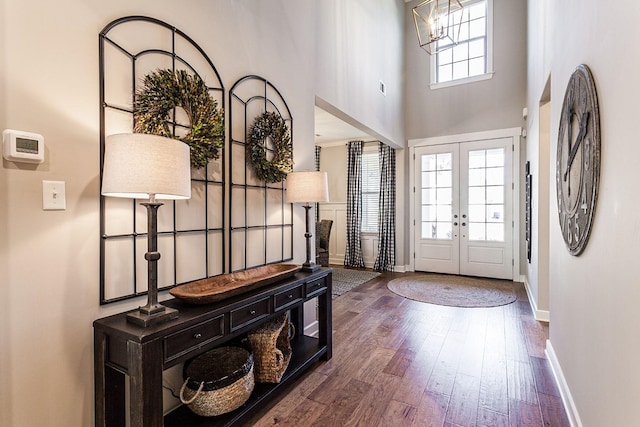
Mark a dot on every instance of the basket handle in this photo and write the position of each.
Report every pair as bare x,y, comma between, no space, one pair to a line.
190,401
279,359
292,331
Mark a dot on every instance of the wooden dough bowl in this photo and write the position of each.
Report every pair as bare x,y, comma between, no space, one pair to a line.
217,288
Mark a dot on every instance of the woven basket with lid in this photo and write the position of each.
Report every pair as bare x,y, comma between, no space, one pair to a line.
218,381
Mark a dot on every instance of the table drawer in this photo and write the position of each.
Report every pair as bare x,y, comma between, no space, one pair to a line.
250,313
315,286
289,297
184,341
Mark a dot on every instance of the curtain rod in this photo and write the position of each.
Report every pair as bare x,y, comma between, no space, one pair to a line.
364,142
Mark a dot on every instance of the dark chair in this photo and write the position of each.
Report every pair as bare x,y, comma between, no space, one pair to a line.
323,232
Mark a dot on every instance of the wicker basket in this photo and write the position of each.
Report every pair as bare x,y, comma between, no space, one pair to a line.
218,381
271,348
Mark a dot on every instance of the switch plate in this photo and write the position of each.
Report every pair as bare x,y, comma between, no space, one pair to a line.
53,196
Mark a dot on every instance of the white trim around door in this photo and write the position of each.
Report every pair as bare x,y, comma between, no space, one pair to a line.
514,134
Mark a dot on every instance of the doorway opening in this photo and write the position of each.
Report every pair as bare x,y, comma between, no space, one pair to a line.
465,204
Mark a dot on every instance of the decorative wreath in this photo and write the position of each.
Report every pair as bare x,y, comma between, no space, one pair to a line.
162,91
270,124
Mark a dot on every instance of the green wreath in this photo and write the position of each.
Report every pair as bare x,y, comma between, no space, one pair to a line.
162,91
270,125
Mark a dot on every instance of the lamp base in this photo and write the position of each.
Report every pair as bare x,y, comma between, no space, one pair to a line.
145,320
310,267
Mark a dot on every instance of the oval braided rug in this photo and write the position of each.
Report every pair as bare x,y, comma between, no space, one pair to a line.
455,291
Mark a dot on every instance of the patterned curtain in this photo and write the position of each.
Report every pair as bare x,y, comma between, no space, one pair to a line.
317,162
353,252
317,157
386,209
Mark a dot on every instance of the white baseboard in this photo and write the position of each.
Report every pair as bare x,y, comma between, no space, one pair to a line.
540,315
396,268
312,329
336,260
565,393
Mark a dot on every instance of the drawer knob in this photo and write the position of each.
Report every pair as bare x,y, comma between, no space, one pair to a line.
290,296
252,312
197,336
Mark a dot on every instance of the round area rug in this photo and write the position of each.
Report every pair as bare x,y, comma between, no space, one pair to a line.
455,291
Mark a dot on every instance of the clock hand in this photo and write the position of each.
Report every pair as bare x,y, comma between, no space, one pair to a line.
574,150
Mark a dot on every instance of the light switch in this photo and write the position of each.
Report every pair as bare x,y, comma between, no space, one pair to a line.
53,196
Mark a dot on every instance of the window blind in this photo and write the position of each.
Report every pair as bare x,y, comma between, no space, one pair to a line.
370,190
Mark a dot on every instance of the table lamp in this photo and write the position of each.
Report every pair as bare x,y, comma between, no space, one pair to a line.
141,166
307,187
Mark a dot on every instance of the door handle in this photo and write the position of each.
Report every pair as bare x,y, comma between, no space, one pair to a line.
464,224
455,216
455,224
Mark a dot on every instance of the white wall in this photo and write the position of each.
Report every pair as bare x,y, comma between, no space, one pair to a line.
538,269
359,44
538,89
537,153
490,104
49,261
333,161
593,298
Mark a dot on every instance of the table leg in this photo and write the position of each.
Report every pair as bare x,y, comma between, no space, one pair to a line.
145,383
325,319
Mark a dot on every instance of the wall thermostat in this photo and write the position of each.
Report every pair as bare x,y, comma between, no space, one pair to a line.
19,146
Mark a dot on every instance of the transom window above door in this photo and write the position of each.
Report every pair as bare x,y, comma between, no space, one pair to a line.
471,59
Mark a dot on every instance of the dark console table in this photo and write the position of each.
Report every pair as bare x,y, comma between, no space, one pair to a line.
124,349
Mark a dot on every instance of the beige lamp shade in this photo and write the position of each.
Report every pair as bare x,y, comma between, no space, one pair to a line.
307,187
141,166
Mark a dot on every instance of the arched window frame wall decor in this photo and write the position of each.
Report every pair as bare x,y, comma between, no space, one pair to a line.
267,219
189,251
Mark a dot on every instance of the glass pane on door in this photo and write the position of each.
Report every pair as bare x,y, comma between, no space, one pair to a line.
436,187
486,195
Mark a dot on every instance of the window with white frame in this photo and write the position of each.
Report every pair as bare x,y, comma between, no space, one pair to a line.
471,59
370,189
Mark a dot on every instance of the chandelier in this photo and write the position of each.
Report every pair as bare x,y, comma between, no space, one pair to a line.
438,24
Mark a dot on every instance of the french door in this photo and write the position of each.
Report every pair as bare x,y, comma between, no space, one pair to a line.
463,199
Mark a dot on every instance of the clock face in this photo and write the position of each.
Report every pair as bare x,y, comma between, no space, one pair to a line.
578,160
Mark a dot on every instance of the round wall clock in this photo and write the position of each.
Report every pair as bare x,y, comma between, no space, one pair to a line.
578,160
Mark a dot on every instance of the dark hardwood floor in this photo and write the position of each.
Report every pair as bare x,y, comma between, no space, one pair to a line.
398,362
